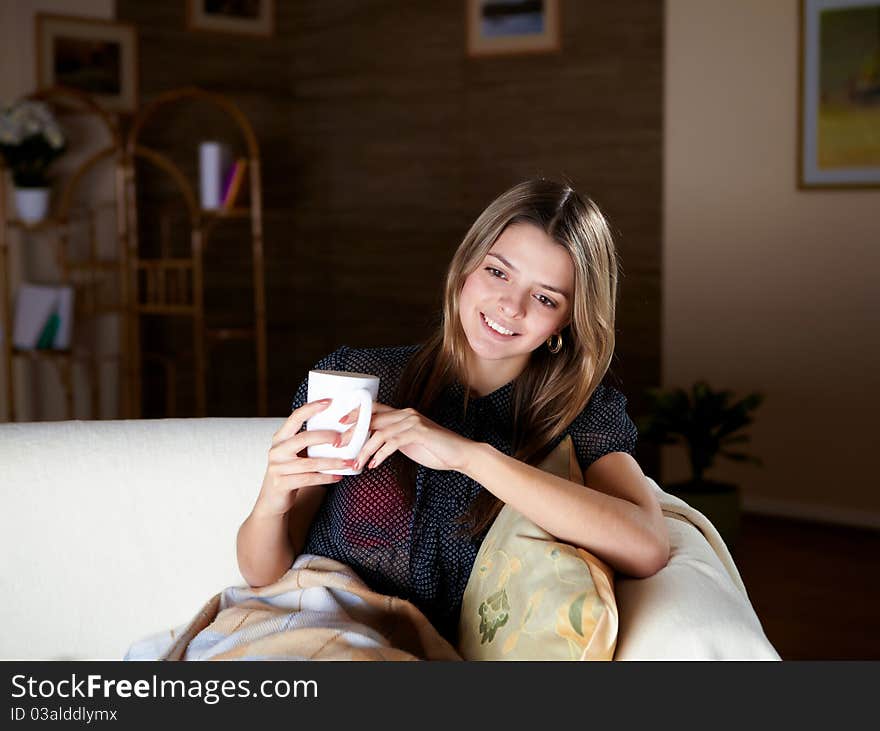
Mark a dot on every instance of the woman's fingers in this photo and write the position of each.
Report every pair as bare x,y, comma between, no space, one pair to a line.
389,415
387,449
296,481
352,416
388,432
346,437
314,464
319,436
284,451
297,418
289,441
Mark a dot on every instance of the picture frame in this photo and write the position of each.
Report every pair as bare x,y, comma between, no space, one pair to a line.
505,27
95,56
241,17
839,94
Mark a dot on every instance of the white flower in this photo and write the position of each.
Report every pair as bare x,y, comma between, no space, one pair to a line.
26,118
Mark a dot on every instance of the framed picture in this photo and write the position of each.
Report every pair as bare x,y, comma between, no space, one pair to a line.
839,106
247,17
497,27
98,57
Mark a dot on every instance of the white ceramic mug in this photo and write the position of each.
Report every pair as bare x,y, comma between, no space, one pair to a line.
347,391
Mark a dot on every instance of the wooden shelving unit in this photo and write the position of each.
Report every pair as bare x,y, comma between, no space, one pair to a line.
164,285
174,286
85,274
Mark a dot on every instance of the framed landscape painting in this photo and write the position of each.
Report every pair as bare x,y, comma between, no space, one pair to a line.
839,130
497,27
243,17
97,57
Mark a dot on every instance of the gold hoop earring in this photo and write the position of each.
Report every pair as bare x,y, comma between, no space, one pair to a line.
558,344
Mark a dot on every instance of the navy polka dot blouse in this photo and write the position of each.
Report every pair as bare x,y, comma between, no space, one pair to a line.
418,551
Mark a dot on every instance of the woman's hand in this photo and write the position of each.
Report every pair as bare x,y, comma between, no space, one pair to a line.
414,435
289,466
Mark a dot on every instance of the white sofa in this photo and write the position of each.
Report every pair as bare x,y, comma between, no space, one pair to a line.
114,530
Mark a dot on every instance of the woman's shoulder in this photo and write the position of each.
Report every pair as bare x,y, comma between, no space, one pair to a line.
603,426
607,405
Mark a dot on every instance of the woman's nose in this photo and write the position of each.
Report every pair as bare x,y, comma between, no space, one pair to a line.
511,306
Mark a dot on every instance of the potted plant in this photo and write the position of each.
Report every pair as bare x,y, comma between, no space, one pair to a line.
708,423
30,141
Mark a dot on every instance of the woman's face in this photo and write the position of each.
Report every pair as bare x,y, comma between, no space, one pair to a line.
524,287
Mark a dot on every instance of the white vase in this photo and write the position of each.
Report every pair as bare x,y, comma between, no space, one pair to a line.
32,204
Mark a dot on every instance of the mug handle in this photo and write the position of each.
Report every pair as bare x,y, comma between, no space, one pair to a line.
365,415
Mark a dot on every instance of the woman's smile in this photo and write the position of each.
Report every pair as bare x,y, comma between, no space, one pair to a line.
497,329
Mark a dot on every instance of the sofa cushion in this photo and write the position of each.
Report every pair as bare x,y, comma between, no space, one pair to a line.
531,597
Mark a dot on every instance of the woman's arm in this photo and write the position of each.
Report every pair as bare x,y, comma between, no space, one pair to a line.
263,548
268,538
616,516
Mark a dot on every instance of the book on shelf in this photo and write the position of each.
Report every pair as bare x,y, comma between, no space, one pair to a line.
213,162
43,317
232,184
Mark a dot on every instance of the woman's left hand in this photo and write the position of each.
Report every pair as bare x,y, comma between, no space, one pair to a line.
414,435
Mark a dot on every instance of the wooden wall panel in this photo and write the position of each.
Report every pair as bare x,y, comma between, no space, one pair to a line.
382,141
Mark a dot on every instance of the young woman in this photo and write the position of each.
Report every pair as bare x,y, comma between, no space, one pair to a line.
526,338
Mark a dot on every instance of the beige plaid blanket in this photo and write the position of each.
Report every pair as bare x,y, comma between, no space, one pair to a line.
319,610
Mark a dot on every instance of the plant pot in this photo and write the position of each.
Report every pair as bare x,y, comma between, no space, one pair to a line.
718,501
32,204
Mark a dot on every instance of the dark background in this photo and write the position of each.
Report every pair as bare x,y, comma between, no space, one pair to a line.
381,141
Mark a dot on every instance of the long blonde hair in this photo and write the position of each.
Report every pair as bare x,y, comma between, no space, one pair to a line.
553,388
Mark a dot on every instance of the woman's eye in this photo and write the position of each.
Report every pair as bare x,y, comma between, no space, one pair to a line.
543,299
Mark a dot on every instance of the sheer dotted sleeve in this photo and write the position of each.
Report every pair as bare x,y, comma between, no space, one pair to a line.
603,427
335,361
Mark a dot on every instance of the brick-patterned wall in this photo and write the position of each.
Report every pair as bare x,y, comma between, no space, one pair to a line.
382,140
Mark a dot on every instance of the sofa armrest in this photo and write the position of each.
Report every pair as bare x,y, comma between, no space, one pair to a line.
696,607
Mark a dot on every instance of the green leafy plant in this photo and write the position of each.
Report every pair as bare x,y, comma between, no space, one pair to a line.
707,422
30,141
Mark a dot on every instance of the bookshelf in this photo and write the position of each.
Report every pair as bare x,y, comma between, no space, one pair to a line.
70,248
169,285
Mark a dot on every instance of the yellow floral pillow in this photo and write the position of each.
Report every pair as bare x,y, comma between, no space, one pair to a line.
531,597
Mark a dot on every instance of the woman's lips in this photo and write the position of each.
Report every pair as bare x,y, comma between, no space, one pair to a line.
495,332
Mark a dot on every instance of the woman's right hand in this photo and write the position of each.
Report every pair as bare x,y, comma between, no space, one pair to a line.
290,467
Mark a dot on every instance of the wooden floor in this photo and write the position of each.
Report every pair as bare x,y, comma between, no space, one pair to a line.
815,587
